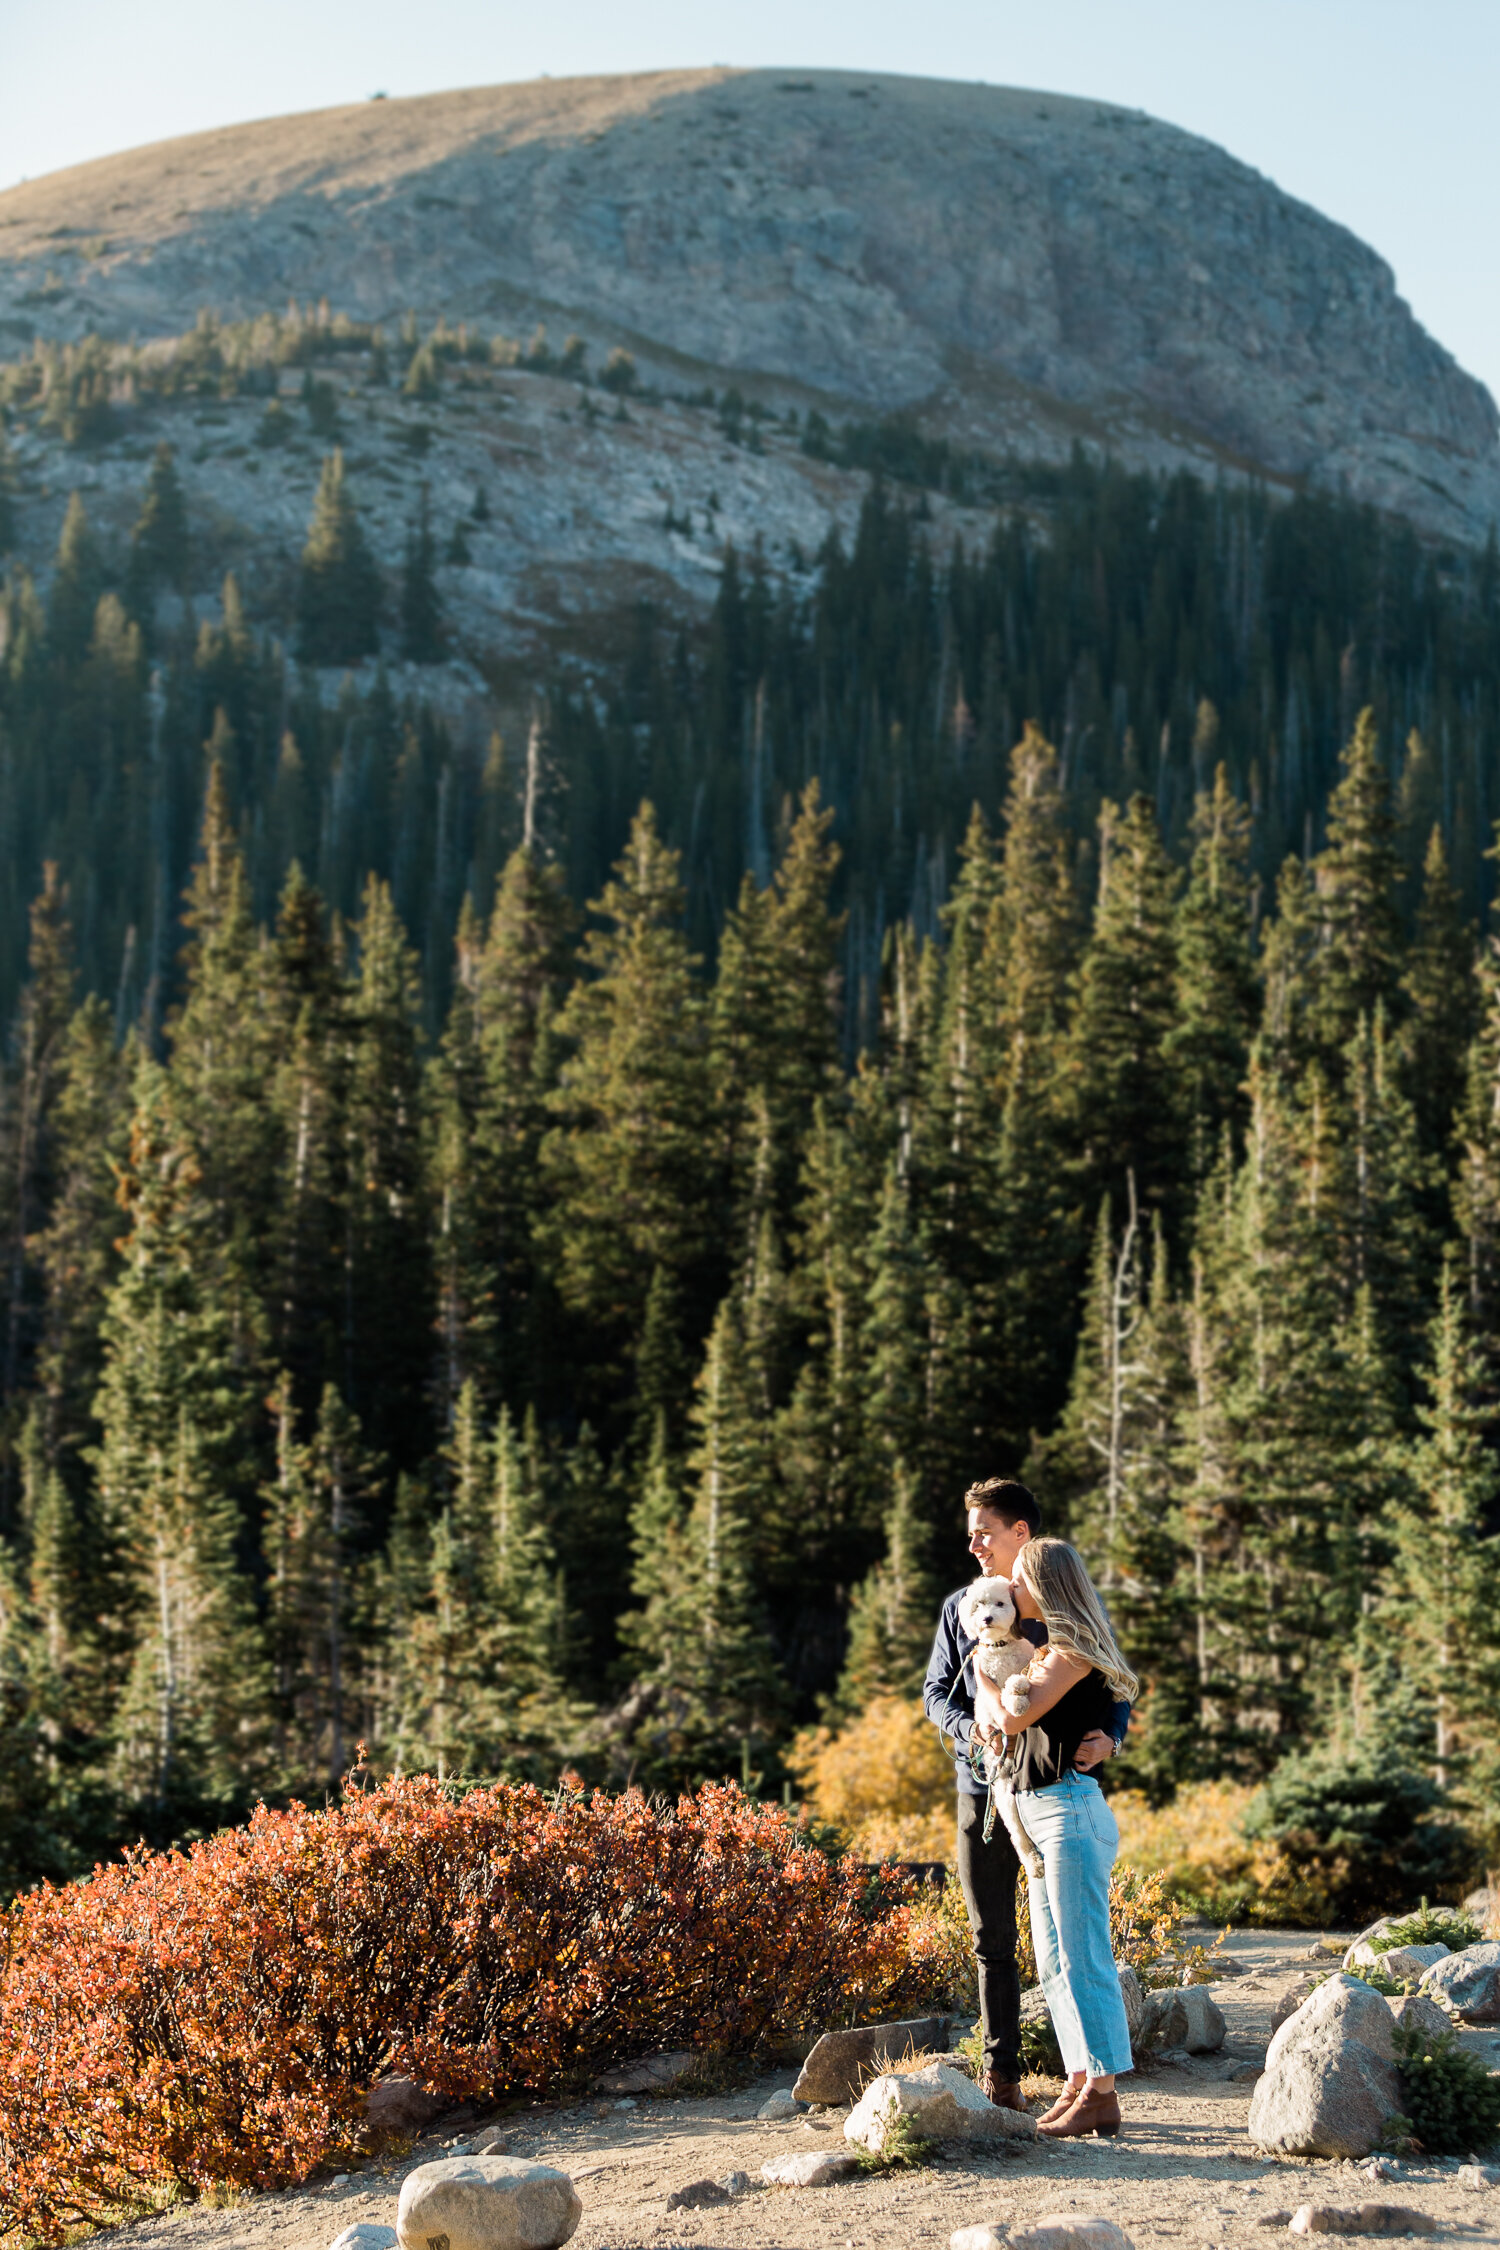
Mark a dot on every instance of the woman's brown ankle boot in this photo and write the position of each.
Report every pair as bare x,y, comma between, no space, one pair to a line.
1061,2106
1091,2112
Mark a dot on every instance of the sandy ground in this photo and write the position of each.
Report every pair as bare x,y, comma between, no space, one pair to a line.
1183,2170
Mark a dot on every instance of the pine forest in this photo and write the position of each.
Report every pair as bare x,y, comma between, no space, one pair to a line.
514,1247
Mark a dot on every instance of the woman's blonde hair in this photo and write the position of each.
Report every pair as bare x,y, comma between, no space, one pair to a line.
1073,1613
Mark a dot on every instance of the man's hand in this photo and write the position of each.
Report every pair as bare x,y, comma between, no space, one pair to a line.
1094,1749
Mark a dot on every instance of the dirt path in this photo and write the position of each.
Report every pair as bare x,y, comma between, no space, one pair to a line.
1182,2172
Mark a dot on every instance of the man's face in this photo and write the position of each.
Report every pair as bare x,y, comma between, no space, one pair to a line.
995,1545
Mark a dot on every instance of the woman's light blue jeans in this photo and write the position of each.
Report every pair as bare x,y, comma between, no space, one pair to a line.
1077,1836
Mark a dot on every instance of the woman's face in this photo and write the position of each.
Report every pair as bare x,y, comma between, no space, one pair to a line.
1025,1600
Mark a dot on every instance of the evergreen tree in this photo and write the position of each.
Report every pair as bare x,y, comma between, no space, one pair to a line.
77,584
713,1695
1121,1097
422,638
1033,938
160,553
890,1617
386,1276
1441,993
7,496
28,1149
189,1724
1447,1550
626,1165
1209,1044
338,596
1357,879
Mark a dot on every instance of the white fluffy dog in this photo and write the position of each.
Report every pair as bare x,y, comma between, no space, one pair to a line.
987,1613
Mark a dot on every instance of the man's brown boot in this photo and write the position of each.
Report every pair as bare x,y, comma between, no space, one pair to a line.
1092,2112
1005,2093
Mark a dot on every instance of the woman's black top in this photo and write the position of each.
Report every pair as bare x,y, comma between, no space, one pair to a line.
1044,1754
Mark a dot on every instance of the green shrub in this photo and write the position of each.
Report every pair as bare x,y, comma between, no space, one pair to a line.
1434,1925
1451,2102
904,2150
1370,1829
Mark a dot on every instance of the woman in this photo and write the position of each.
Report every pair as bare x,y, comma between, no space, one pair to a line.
1075,1681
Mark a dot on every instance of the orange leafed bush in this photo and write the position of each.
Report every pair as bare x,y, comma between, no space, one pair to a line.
884,1779
215,2016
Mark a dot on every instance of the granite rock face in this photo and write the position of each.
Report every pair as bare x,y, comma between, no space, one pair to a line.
1023,269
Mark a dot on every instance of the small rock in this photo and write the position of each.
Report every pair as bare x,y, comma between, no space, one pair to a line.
1415,2008
1187,2016
842,2060
484,2144
487,2203
1468,1982
340,2179
1370,2218
1479,2177
818,2168
698,2195
942,2104
366,2236
1406,1964
735,2183
627,2101
1244,2074
397,2108
1063,2230
651,2074
1383,2168
978,2238
783,2104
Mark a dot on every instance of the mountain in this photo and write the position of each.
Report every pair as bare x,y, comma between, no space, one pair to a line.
1016,270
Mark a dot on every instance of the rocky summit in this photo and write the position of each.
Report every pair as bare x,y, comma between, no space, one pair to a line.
1016,270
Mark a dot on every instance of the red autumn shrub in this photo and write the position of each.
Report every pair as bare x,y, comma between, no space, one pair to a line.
216,2015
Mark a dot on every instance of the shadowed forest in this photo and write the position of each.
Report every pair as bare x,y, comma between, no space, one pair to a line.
512,1258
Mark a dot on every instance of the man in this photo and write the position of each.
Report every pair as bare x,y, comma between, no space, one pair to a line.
1002,1516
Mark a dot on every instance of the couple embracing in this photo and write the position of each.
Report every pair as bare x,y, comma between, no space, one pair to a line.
1081,1690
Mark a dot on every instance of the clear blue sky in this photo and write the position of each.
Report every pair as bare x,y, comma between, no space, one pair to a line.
1380,112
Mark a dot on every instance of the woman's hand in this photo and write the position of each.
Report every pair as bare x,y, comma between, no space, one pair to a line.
1051,1675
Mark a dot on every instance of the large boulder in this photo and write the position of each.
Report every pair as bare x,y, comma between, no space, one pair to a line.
1330,2078
942,2104
1468,1982
843,2061
486,2203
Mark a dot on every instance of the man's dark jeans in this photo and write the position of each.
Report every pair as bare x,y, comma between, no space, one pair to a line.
988,1872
